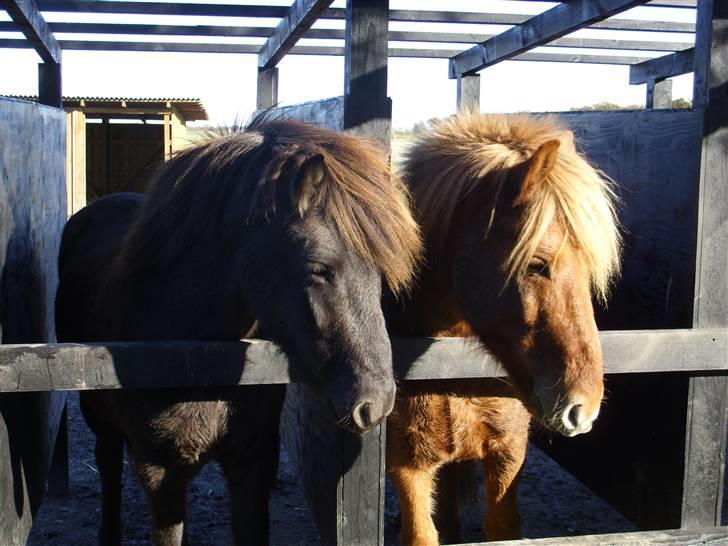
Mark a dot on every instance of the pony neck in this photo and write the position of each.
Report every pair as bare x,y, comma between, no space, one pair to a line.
430,309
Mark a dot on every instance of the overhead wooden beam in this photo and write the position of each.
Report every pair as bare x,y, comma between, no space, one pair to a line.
92,45
538,30
301,15
236,10
26,15
661,68
338,34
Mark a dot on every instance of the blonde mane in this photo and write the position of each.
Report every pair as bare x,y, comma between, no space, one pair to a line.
455,155
200,192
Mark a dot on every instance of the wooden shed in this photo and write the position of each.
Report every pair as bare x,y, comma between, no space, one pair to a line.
112,142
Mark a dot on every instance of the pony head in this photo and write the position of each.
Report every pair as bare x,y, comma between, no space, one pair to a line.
528,231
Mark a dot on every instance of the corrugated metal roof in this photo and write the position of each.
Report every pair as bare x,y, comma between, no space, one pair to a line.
191,109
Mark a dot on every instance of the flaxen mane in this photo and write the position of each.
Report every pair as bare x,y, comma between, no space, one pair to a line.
235,179
446,162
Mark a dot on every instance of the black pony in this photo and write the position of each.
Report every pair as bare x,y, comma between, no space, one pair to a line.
285,226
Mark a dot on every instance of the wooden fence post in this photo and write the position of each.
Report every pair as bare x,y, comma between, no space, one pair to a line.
659,94
468,97
708,396
267,86
49,84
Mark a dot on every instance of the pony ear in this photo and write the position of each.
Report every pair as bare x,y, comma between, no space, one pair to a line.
310,175
537,168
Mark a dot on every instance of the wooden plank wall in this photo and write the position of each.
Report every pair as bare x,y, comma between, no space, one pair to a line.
32,215
120,157
634,455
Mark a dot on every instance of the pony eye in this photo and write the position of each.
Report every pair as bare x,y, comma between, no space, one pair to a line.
539,266
320,271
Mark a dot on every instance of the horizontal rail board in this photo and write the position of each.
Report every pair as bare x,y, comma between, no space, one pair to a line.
683,537
68,366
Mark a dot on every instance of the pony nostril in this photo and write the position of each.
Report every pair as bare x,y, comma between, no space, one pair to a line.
575,416
362,415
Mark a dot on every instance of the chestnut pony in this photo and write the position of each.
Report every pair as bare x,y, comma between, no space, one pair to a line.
285,225
519,231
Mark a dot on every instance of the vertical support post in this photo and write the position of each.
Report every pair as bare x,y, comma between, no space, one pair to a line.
267,95
368,113
468,98
75,161
708,396
167,136
659,94
58,484
367,109
49,84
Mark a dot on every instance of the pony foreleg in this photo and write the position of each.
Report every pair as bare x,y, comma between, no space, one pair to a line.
415,488
166,490
502,471
250,478
109,461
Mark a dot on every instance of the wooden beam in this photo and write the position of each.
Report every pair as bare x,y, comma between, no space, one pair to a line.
26,15
161,47
301,15
539,30
367,109
49,84
235,10
326,113
705,440
659,95
72,366
468,93
660,68
673,537
338,34
267,88
75,161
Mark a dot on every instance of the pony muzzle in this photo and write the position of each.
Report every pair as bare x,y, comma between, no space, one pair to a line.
571,417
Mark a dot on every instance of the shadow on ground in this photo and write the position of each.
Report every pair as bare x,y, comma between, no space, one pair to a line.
552,503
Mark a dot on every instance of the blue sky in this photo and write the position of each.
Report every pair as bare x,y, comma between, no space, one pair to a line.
419,88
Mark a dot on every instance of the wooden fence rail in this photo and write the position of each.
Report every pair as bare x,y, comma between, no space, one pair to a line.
70,366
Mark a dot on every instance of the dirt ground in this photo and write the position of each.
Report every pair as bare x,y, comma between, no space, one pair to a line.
552,503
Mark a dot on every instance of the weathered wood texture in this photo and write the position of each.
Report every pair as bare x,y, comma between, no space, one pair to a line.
26,15
468,93
539,30
338,34
667,66
681,537
326,113
267,88
69,366
343,473
75,161
705,442
32,214
301,15
49,85
180,47
422,16
659,94
367,109
655,158
121,157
